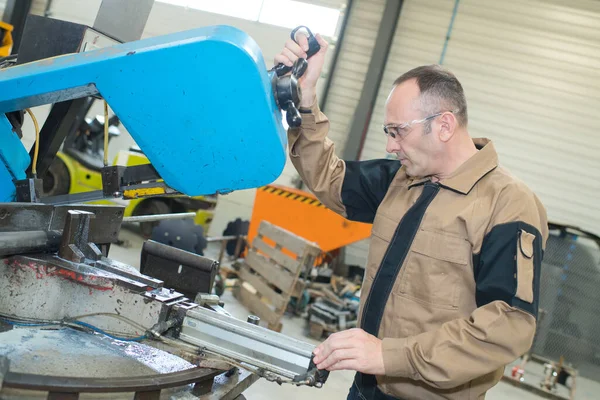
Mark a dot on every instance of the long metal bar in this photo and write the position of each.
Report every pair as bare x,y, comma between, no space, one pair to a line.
221,238
245,342
364,110
28,242
65,199
158,217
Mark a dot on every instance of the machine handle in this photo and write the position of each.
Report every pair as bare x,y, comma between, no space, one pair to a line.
313,48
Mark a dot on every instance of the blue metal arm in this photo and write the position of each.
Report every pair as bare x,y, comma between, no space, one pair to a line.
198,103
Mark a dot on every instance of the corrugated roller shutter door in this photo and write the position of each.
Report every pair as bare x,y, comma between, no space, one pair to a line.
419,40
352,64
347,83
530,73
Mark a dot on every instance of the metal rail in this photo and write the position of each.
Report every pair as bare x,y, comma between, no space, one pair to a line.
159,217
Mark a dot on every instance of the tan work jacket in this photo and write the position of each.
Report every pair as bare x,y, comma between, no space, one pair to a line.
452,279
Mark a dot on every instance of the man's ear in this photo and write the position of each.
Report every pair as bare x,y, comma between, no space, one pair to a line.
447,126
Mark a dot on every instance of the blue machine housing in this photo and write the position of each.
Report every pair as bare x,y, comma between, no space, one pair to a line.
198,103
15,160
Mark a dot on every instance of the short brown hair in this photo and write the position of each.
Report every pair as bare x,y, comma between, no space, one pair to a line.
440,91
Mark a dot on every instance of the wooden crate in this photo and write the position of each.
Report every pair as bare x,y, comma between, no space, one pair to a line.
269,274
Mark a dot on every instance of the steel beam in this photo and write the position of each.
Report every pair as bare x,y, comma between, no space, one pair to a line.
364,110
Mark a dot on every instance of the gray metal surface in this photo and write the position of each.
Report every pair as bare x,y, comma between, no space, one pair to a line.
61,351
123,20
127,271
80,355
27,242
364,110
47,288
19,217
569,302
65,199
246,342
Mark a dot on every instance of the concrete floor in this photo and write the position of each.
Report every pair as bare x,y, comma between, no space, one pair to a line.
338,383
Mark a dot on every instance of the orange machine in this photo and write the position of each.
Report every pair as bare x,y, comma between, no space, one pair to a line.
301,213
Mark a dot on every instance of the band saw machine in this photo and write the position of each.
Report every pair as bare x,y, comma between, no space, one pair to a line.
203,107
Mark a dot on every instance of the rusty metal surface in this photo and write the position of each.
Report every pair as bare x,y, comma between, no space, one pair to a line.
47,288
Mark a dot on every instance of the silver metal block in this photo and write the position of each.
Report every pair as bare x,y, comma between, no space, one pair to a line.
50,289
245,342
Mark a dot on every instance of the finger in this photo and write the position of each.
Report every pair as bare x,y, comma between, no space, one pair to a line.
295,48
349,364
288,53
322,42
281,59
337,356
302,41
332,344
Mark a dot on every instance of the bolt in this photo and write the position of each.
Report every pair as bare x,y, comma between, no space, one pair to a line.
253,319
171,291
153,295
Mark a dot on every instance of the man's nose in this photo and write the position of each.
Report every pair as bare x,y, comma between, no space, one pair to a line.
392,146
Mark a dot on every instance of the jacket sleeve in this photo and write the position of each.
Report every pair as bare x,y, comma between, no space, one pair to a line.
502,327
353,189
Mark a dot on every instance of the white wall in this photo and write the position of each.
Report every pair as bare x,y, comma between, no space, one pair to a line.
166,18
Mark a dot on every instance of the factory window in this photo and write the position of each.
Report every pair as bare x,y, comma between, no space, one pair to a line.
285,13
290,14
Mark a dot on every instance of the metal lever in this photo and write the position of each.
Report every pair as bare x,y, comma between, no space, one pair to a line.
288,93
313,48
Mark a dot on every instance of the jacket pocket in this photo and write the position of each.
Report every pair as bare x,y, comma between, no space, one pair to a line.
433,269
525,266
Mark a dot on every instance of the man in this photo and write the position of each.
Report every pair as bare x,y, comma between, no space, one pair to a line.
450,293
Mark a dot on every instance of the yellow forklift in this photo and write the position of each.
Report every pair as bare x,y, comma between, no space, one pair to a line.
77,167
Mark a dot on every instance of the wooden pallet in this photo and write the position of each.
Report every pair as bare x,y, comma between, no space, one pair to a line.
269,274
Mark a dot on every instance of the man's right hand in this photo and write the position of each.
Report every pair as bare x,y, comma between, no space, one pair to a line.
308,82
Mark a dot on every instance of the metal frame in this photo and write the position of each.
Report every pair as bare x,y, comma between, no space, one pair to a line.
364,110
62,119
